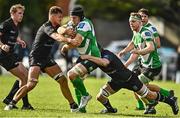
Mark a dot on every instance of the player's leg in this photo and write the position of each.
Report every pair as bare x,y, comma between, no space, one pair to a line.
144,92
172,101
147,75
75,75
12,64
102,97
22,73
137,70
12,92
56,73
163,91
33,76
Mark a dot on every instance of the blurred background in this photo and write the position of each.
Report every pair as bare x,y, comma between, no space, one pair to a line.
110,18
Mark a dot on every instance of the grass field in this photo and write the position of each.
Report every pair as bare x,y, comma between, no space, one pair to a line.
49,102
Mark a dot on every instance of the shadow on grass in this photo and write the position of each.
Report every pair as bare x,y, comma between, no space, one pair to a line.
131,115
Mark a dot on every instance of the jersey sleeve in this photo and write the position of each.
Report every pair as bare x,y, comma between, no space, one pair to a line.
49,30
155,32
2,27
83,28
147,35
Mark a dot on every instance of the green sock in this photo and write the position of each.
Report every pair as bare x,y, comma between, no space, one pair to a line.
140,104
164,92
151,101
78,95
78,84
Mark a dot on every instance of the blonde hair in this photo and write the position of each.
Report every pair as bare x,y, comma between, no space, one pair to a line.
136,16
14,8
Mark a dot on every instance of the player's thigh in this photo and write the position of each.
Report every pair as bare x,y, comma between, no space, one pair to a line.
77,70
53,70
34,72
20,71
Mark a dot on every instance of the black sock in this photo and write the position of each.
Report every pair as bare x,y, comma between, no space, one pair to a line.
108,105
13,91
162,98
25,100
73,105
13,102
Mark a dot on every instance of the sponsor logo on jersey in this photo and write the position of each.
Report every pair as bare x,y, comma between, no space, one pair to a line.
147,34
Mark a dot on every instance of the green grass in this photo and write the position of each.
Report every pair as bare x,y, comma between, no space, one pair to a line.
49,102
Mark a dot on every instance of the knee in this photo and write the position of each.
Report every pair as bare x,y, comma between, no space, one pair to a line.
151,95
22,82
98,97
31,84
71,75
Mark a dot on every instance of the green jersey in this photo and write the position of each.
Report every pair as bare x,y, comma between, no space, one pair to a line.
150,60
89,44
151,28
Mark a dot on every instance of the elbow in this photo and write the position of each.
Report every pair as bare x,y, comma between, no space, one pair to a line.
104,64
159,45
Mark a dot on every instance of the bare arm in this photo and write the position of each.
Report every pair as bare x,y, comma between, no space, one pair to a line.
21,42
149,48
99,61
65,48
157,42
131,59
60,38
128,48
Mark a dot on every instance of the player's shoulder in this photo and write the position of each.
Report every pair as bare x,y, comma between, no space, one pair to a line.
84,25
47,24
146,32
6,23
151,27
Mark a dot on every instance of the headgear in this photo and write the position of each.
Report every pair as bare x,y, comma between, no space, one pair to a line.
77,11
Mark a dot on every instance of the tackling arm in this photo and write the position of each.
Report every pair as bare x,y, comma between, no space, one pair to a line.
99,61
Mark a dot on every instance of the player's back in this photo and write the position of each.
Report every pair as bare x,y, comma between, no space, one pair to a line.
115,69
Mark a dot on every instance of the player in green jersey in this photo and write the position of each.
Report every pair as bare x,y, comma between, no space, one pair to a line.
145,20
86,44
143,46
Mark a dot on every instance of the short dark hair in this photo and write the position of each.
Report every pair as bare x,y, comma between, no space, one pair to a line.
145,11
55,10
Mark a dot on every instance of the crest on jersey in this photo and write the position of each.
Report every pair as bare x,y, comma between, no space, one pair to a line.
154,29
81,25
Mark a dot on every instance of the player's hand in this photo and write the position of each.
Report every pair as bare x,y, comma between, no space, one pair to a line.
121,53
134,51
83,57
64,50
5,48
70,32
22,43
73,42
